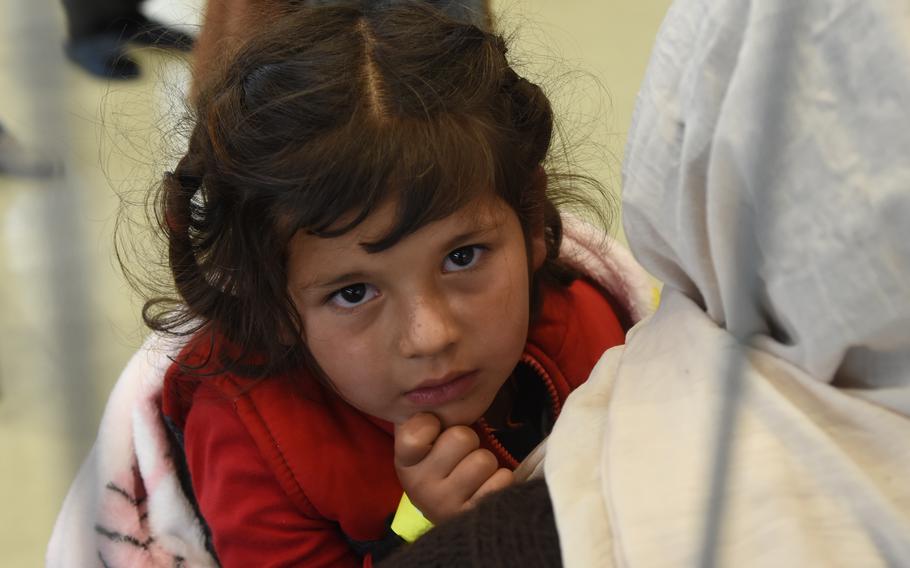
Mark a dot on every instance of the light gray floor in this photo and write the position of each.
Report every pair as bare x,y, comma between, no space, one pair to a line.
68,321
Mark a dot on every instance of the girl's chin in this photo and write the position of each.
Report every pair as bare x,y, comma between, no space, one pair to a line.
464,412
455,415
447,416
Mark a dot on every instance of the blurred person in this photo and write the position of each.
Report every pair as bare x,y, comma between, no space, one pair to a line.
100,31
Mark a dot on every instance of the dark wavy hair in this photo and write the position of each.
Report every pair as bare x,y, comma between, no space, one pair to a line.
316,120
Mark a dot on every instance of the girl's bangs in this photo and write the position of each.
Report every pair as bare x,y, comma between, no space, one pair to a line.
431,168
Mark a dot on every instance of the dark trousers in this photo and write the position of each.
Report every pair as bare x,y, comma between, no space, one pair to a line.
91,17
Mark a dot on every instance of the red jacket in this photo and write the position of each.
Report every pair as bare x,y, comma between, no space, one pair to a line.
286,473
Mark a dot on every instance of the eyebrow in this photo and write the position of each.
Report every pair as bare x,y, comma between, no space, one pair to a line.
337,281
469,235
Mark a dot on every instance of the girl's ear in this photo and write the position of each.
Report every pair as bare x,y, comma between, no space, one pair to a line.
288,332
538,244
286,337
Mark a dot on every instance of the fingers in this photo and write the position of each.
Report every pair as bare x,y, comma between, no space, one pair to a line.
453,445
472,473
499,480
444,471
415,438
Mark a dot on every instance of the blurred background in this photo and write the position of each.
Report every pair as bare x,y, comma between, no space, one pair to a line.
68,319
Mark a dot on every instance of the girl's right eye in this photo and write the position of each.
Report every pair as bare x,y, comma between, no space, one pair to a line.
353,295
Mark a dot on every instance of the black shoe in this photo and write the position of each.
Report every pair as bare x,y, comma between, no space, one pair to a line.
144,31
102,55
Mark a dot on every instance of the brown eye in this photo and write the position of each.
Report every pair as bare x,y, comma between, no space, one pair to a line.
353,295
463,258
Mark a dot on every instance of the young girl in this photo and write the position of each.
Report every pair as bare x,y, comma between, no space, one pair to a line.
367,255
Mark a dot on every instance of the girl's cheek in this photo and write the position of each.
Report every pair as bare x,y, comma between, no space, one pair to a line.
508,293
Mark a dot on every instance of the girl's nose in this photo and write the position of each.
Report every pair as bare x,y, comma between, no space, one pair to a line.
429,328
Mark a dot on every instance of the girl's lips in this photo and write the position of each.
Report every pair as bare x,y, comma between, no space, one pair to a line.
444,392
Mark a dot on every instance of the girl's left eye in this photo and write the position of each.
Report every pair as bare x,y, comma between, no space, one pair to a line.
463,258
352,296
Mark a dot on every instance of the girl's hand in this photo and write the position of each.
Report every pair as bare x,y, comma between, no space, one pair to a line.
444,472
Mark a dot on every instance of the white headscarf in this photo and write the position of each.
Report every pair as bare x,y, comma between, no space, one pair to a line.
767,183
786,125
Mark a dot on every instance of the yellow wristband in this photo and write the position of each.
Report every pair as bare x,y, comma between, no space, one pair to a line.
409,523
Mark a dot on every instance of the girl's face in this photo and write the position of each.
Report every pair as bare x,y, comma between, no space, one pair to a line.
435,323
